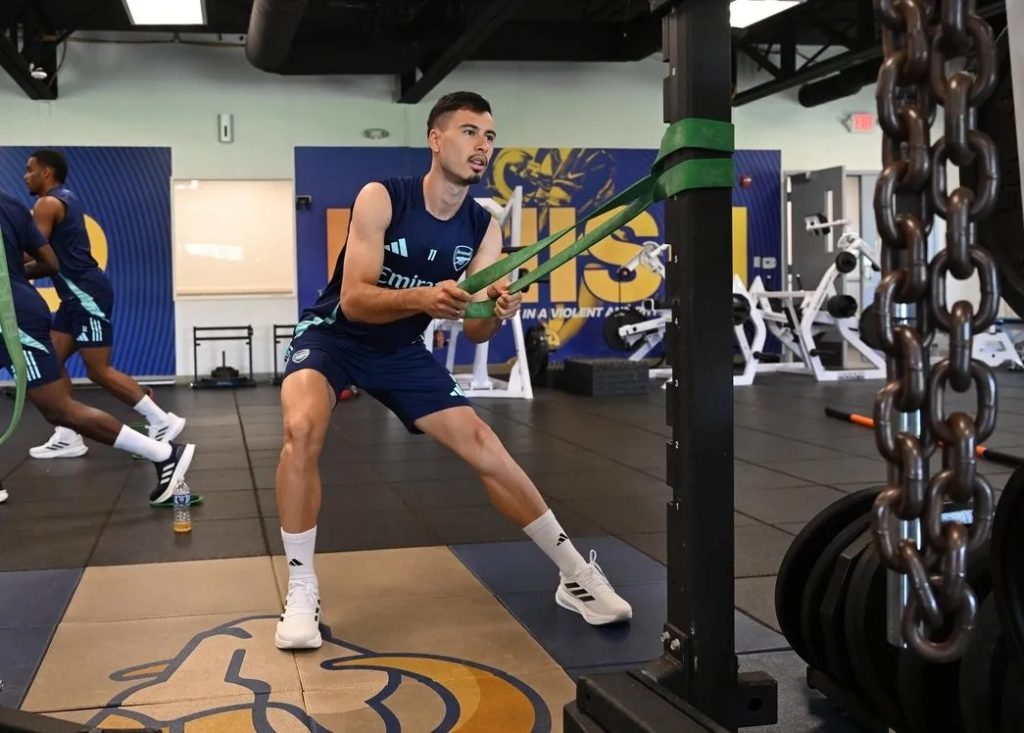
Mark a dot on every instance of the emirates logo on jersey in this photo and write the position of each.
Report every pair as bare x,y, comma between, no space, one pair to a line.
461,256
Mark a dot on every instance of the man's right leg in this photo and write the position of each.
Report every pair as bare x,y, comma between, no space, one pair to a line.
54,401
65,442
307,399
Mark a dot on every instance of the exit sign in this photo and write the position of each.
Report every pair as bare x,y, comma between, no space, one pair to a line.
860,122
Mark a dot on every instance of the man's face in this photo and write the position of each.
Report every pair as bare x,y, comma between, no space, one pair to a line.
35,177
464,143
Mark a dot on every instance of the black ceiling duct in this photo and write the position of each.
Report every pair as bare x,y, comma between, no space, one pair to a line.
272,28
846,82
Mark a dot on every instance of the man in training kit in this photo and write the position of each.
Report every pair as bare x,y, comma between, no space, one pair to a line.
48,389
83,319
409,240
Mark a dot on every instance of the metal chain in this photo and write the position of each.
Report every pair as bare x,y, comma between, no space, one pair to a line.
926,44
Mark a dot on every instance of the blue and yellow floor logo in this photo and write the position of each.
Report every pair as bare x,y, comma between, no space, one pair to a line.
390,692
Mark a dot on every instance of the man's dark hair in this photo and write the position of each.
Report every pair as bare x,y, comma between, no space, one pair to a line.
456,101
53,159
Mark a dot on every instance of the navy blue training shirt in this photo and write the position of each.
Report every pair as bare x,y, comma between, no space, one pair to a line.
420,250
79,271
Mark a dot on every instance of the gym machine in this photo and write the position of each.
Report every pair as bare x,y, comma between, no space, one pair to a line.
995,348
797,318
751,346
640,327
223,376
282,332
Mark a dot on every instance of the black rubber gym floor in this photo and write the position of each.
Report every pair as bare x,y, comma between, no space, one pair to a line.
600,463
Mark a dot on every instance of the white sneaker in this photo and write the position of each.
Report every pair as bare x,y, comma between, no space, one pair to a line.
589,594
64,443
299,625
3,496
168,431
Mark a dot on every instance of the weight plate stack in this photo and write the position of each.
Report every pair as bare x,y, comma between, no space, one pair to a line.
1008,561
616,320
537,350
1013,698
983,672
812,628
865,623
804,552
930,693
833,612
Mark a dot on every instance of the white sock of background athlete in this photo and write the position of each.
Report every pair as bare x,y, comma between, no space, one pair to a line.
151,411
142,445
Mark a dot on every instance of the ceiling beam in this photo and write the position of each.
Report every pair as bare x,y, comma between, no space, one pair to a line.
812,71
579,41
806,74
16,66
834,34
473,36
761,59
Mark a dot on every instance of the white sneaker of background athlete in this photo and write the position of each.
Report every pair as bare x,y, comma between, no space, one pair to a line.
64,443
588,593
299,626
3,496
167,431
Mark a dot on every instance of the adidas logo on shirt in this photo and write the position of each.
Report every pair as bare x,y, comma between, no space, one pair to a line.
398,247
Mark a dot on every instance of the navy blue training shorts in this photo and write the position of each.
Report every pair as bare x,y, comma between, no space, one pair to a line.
409,381
41,365
87,319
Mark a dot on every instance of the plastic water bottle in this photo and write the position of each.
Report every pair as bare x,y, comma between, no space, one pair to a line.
182,507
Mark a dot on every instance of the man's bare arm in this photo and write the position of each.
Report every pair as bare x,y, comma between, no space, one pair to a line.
362,299
47,214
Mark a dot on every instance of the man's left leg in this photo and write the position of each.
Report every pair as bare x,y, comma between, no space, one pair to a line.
163,426
583,586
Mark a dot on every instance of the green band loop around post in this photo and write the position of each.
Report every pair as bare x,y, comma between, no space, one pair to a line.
662,183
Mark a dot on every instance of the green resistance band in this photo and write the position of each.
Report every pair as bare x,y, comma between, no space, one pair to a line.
12,339
663,182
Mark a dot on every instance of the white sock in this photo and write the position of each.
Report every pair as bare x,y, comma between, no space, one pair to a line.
552,539
65,434
299,549
149,410
142,445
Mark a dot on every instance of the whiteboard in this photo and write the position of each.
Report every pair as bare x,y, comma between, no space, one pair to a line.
233,237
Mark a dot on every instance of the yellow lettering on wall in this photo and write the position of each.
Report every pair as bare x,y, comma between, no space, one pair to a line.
337,232
739,242
564,280
616,250
613,250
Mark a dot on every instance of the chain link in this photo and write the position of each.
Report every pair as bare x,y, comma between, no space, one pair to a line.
926,46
